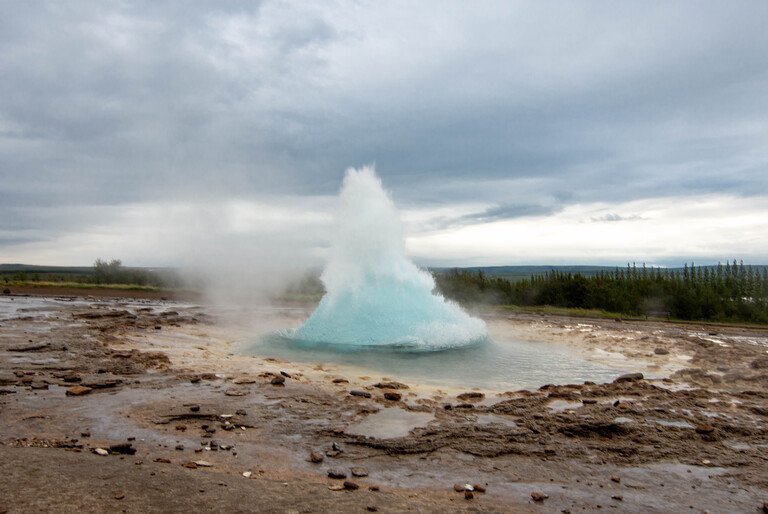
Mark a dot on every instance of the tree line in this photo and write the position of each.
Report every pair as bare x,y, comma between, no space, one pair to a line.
726,292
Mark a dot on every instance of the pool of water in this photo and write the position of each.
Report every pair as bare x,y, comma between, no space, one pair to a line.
491,364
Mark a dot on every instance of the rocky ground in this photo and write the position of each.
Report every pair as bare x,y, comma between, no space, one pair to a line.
146,405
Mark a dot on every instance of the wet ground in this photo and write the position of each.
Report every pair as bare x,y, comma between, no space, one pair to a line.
146,405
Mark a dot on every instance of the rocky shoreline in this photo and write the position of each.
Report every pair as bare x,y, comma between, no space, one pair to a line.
145,405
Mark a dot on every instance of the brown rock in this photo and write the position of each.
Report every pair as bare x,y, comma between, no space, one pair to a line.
661,351
277,380
539,496
359,472
629,377
316,457
471,396
362,394
350,486
337,473
480,488
392,396
468,495
78,390
390,385
244,380
458,487
340,381
616,478
38,384
235,392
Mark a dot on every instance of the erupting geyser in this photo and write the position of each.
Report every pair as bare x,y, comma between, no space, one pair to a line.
375,295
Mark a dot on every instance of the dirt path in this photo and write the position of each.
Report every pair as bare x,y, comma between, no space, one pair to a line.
163,387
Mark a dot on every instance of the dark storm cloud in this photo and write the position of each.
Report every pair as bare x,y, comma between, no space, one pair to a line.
527,106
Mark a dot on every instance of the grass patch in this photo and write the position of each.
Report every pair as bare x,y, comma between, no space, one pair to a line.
83,285
567,311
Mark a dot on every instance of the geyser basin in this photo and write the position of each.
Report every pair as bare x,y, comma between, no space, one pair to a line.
501,363
375,296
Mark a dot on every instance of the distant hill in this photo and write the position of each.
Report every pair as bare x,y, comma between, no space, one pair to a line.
58,270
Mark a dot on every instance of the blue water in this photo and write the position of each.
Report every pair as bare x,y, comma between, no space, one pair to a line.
488,364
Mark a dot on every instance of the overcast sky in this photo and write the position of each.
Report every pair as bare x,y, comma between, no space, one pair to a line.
507,132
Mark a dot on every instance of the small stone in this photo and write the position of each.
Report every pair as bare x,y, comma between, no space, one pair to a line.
629,377
616,478
101,451
247,474
285,374
316,457
391,385
203,464
235,392
458,487
373,488
190,465
241,412
340,381
162,460
371,508
765,507
471,396
588,401
122,448
661,351
350,486
362,394
119,496
180,447
704,429
194,408
337,473
277,380
38,384
359,472
468,495
480,488
617,497
85,434
392,396
336,487
78,390
244,380
195,380
539,496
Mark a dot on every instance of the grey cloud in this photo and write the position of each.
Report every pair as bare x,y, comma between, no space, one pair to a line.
612,216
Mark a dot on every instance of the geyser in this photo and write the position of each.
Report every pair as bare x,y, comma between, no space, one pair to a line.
375,296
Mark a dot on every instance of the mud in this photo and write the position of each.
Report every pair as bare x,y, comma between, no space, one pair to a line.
195,425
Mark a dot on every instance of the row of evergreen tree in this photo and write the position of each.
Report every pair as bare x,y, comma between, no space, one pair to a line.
726,292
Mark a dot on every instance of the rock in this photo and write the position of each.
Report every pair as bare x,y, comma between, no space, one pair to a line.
362,394
340,381
180,447
465,406
539,496
617,497
72,378
765,507
235,392
480,488
588,401
458,487
335,487
241,412
122,448
277,380
78,390
471,396
162,460
373,488
390,385
336,447
316,457
247,474
101,451
760,363
38,384
350,486
119,495
244,380
190,465
371,508
359,472
616,478
85,434
468,495
629,377
285,374
203,464
337,473
194,408
661,351
29,347
392,396
704,429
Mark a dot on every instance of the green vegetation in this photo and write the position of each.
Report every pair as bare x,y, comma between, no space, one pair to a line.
104,274
732,292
